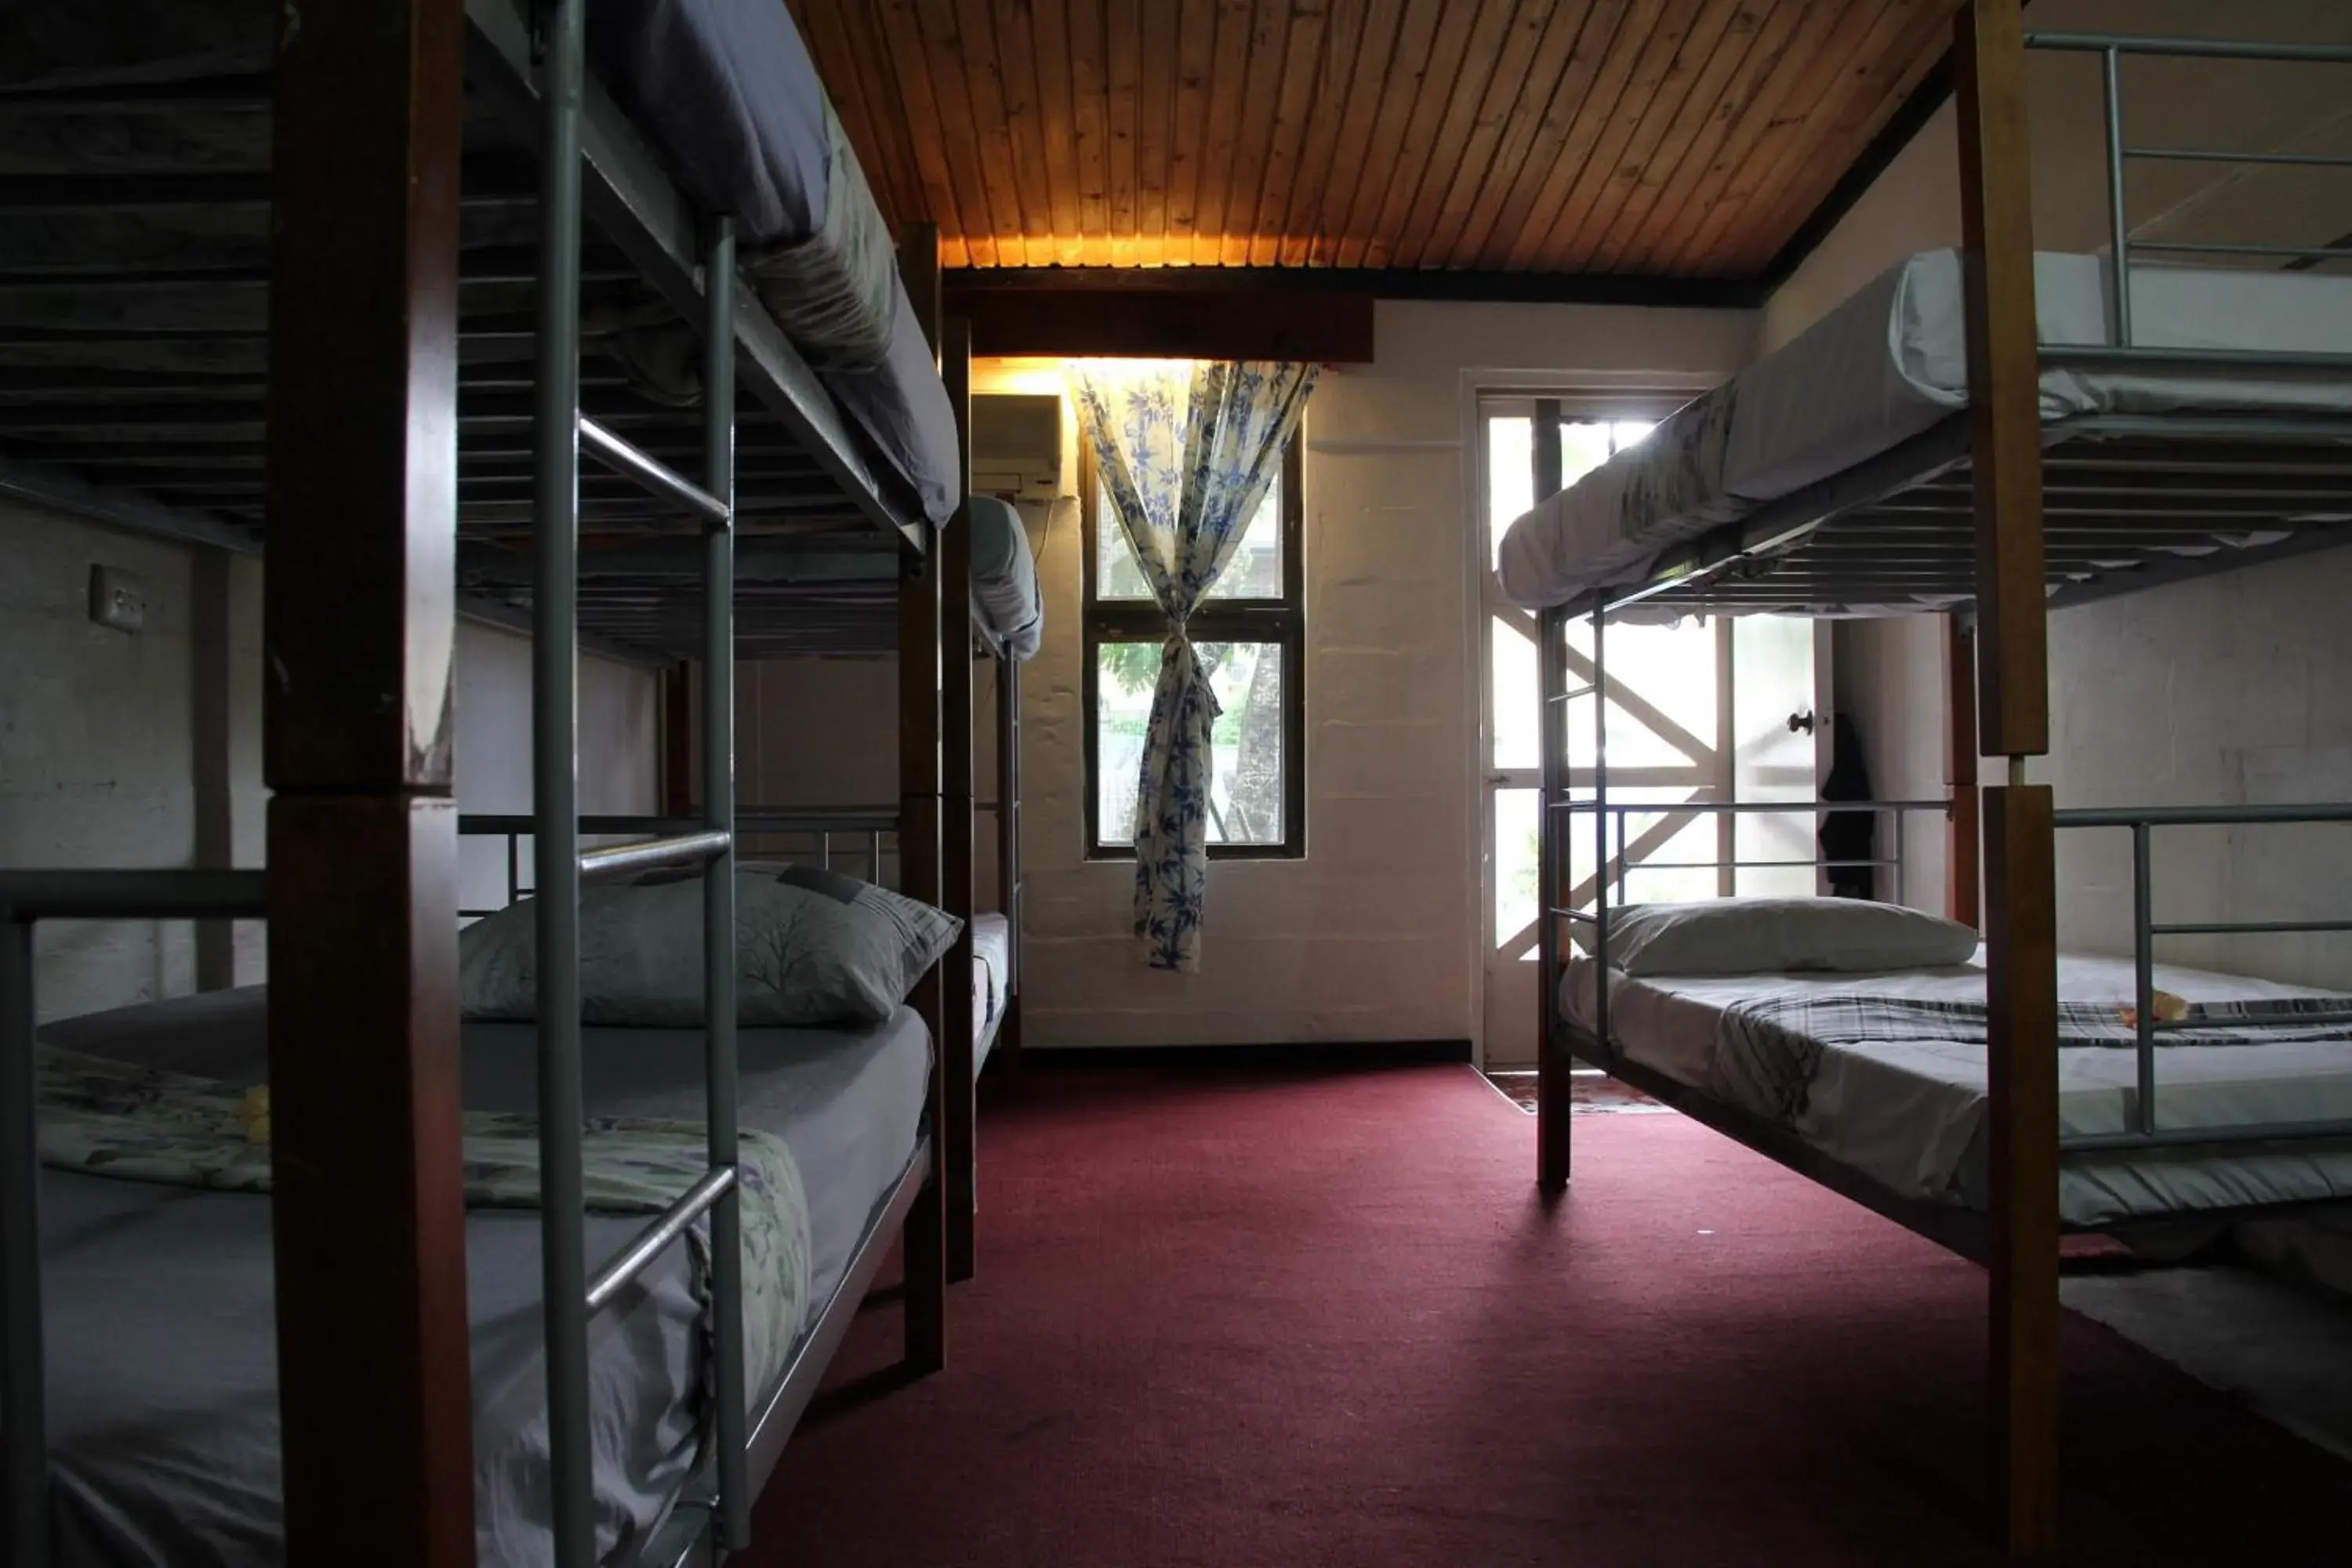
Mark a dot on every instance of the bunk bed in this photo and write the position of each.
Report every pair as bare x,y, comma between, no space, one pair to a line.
438,346
1984,434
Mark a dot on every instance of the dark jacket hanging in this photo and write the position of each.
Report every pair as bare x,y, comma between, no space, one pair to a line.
1849,836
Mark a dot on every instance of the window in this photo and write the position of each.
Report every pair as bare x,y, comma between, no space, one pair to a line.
1248,633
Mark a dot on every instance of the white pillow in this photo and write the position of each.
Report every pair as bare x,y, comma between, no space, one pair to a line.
1770,936
811,948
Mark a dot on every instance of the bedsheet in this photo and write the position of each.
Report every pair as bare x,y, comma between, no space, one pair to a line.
161,1351
1911,1114
1890,363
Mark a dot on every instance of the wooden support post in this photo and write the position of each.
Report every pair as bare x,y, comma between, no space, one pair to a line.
1963,899
957,1022
368,1213
925,1245
2022,1154
2013,709
2004,380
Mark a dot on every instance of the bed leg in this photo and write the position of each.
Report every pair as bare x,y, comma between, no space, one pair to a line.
2021,1114
923,1245
1553,1111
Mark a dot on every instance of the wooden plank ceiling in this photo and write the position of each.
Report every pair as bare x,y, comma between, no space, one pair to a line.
1663,139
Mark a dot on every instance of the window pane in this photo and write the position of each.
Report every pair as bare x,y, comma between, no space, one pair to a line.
1247,766
1253,573
1510,478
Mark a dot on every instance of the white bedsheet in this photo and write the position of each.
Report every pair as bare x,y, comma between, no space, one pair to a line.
992,960
1891,363
1912,1116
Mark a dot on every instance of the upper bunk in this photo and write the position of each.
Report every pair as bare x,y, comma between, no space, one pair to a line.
2210,426
134,174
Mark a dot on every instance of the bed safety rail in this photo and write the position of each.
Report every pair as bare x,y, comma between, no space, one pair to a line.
2112,50
2142,822
868,830
27,898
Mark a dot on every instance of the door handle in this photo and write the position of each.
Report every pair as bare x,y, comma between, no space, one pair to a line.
1803,722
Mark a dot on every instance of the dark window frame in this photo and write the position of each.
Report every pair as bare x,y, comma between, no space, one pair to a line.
1279,621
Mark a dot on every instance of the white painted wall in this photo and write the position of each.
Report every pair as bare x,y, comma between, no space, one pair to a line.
145,751
2221,690
1374,935
620,746
101,763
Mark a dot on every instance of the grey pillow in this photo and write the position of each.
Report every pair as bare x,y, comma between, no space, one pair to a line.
812,947
1776,936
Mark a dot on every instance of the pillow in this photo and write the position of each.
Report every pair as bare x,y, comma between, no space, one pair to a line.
811,948
1766,936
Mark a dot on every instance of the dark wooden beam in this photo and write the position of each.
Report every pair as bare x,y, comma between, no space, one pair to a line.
368,1211
1375,283
1165,323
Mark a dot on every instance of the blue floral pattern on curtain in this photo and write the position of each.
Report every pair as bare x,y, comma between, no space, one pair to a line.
1185,450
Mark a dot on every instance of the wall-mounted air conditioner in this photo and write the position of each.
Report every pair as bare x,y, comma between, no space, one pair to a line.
1016,445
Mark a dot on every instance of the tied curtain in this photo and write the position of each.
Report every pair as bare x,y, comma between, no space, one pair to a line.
1185,451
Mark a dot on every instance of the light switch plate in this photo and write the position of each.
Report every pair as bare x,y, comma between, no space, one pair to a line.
117,599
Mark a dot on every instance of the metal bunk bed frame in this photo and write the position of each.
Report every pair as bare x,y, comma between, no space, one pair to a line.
367,1214
2012,518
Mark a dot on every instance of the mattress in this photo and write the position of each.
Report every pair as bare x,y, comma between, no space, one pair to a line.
1912,1116
163,1371
1890,363
1005,577
725,90
992,966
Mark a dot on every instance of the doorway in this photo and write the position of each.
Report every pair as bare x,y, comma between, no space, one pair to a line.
1700,711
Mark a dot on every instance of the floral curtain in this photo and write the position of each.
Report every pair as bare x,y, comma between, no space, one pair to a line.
1185,450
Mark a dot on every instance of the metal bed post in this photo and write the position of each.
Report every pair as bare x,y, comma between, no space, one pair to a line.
2005,444
23,1385
2118,226
959,1028
734,1515
1552,1105
1601,828
2144,978
555,809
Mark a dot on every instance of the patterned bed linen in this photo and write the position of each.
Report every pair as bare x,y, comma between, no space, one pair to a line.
128,1122
1771,1046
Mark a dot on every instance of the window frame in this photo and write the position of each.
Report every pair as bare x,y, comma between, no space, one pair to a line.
1281,621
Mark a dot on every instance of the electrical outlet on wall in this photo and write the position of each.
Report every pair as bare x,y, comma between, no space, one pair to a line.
117,599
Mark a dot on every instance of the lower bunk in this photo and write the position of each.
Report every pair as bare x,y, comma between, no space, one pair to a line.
164,1420
1873,1083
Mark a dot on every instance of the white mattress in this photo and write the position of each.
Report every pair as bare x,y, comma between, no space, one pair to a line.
1890,363
161,1351
1912,1116
991,964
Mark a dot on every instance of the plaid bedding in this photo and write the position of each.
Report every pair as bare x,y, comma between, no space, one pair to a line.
1768,1049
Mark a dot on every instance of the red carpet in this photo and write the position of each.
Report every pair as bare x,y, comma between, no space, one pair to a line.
1322,1320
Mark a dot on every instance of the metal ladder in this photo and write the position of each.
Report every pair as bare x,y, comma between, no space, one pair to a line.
561,435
